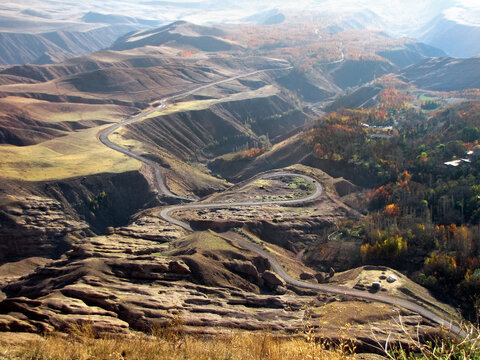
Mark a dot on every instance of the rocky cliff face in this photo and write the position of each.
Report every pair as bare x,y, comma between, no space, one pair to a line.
101,200
43,220
35,227
149,274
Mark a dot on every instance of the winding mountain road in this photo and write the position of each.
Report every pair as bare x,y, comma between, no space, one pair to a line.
159,176
165,214
392,300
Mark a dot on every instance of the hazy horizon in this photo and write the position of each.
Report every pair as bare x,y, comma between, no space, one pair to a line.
439,23
400,13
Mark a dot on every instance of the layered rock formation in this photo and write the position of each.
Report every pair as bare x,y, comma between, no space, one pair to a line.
136,280
151,273
35,226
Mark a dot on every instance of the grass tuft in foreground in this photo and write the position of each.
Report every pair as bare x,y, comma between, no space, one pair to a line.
171,342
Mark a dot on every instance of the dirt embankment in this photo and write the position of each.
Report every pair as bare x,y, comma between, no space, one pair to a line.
39,219
293,150
102,200
218,129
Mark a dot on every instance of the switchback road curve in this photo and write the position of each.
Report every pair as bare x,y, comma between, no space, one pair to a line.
318,191
334,289
159,176
165,214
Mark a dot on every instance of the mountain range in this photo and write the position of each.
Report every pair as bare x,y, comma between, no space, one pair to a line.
199,178
35,35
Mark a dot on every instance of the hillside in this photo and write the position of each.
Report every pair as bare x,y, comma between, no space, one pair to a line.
178,35
412,53
444,74
211,127
64,110
194,175
354,73
455,38
47,35
51,47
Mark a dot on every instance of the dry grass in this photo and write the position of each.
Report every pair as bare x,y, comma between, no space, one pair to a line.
196,105
55,112
323,178
172,343
206,241
119,137
338,315
265,190
403,287
443,347
77,154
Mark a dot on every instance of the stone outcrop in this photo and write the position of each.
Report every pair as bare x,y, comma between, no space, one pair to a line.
118,283
321,277
244,268
149,227
151,273
272,280
307,276
35,226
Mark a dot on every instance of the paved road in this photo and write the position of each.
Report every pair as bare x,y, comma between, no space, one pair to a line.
163,189
159,176
395,301
342,57
165,213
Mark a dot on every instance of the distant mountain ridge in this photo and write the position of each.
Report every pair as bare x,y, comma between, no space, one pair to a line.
456,39
179,34
42,37
112,19
411,54
450,25
18,48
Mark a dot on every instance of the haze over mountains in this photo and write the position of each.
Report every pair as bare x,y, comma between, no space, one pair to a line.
44,32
